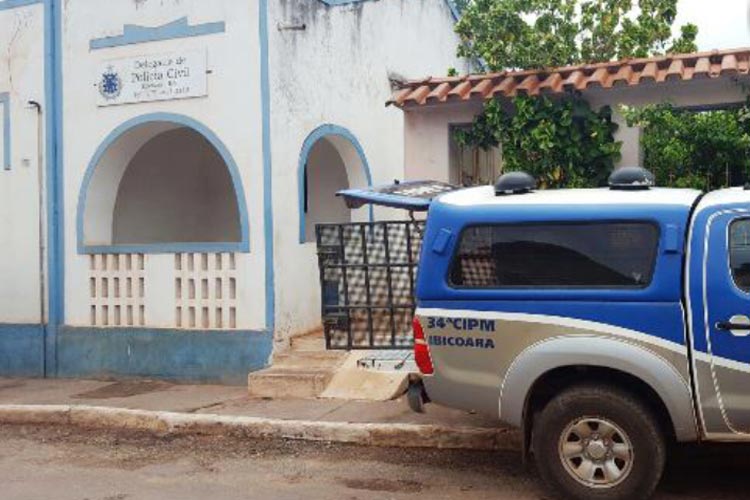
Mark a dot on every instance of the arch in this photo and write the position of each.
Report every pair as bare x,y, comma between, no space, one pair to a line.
352,154
122,145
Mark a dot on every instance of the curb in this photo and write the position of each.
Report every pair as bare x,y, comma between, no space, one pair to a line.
170,423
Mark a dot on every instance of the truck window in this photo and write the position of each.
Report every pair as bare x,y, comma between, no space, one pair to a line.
556,255
739,253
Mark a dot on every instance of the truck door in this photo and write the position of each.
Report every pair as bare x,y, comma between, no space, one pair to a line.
726,291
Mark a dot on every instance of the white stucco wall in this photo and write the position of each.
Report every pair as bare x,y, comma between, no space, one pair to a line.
336,71
22,77
427,139
231,111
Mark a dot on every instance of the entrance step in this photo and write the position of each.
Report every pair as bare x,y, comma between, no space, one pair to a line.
303,371
308,360
313,342
281,383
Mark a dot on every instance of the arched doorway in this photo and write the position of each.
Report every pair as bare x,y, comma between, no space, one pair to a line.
162,183
332,159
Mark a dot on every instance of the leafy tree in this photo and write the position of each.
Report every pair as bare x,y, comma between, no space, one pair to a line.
561,143
704,150
512,34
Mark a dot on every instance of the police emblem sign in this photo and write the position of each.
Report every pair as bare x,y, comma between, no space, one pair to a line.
110,85
152,78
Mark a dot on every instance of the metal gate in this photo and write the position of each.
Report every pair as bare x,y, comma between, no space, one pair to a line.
367,278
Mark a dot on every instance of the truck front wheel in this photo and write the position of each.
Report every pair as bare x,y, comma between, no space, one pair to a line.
595,442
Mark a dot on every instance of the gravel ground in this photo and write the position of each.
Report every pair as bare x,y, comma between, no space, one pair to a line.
67,463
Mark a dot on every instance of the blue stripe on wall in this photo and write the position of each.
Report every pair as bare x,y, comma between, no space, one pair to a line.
202,356
12,4
53,152
333,3
265,96
5,105
21,350
454,10
132,34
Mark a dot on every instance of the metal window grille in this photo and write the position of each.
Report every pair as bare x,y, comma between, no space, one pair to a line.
367,276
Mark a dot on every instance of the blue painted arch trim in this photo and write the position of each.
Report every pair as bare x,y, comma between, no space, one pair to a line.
242,246
322,131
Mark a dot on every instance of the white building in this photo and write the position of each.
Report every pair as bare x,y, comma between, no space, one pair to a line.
434,106
164,163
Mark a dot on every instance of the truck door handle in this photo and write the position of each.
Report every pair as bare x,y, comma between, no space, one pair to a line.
738,325
728,325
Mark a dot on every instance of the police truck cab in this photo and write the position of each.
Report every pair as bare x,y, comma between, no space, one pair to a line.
605,323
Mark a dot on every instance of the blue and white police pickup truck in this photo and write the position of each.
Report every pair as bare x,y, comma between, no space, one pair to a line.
606,323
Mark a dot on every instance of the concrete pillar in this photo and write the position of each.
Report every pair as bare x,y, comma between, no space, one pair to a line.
632,152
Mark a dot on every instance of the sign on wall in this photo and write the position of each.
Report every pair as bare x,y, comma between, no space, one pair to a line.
160,77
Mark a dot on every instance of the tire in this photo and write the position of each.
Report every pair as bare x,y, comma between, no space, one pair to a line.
593,442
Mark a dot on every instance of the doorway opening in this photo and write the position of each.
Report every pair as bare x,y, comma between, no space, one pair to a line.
331,160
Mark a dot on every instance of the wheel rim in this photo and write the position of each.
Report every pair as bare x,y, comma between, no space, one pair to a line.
596,452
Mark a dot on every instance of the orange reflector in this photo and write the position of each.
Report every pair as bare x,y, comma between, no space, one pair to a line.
421,349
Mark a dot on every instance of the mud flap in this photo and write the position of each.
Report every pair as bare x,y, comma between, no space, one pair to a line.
416,395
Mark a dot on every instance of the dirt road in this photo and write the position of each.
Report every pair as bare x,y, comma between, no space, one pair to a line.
69,464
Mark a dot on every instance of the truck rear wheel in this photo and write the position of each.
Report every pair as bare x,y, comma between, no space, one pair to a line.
595,442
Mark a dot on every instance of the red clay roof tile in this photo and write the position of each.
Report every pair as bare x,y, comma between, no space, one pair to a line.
505,87
529,85
460,91
675,70
439,93
558,80
551,84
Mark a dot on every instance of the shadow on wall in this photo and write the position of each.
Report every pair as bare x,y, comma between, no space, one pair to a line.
176,189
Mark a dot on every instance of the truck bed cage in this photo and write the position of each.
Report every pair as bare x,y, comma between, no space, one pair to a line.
367,277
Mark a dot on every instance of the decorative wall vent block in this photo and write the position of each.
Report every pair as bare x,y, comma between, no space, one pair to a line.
117,289
205,291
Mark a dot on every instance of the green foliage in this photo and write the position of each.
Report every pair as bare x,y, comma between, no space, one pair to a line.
511,34
561,143
704,150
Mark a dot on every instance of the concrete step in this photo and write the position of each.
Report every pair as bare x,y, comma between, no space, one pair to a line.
281,382
324,360
312,342
303,371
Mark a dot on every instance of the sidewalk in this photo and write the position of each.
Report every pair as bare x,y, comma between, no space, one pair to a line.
229,405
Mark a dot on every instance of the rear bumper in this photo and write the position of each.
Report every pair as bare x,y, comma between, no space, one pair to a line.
469,397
